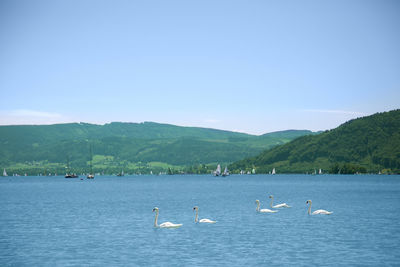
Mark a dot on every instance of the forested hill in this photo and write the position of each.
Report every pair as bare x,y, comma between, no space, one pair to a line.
129,146
368,144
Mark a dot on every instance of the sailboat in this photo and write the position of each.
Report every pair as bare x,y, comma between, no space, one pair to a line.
320,171
226,172
273,171
217,172
91,174
121,173
4,172
69,174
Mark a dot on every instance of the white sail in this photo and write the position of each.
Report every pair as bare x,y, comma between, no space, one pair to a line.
217,172
273,171
320,171
226,172
5,173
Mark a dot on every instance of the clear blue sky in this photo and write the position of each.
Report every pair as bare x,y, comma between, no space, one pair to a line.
249,66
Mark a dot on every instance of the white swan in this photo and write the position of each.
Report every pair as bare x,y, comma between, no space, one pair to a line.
196,218
283,205
263,210
323,212
166,224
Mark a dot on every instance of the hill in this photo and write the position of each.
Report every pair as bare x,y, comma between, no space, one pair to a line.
368,144
134,147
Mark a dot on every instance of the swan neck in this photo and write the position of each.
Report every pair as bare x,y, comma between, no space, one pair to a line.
272,201
155,221
196,218
309,209
258,206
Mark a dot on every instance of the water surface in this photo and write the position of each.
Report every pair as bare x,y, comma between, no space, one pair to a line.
48,221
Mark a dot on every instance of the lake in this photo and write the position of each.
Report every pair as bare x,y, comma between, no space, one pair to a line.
108,221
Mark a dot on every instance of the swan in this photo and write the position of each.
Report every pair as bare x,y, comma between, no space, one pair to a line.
166,224
263,210
283,205
323,212
196,219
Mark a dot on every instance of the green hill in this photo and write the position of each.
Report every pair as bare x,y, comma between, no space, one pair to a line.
368,144
133,147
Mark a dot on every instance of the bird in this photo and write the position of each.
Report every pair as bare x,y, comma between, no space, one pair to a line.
263,210
283,205
322,212
166,224
196,218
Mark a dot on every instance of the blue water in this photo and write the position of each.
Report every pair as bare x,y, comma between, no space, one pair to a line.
108,221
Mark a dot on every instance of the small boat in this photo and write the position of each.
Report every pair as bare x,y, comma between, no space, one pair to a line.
121,173
217,172
69,174
320,171
226,172
5,173
273,171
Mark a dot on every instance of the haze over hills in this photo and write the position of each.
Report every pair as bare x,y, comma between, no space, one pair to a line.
368,144
133,147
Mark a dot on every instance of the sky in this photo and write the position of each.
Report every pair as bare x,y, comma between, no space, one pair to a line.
253,66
